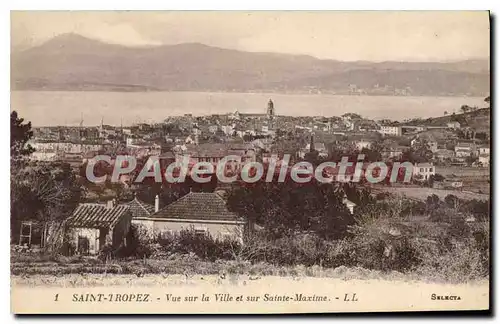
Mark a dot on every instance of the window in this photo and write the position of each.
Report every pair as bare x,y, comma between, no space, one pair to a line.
422,170
430,169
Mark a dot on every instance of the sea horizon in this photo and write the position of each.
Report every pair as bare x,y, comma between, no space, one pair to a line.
66,108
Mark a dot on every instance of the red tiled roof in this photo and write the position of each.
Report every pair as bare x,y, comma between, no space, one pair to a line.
206,150
200,206
464,144
240,146
140,208
96,215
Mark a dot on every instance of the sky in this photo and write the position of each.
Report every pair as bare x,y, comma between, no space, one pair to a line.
345,36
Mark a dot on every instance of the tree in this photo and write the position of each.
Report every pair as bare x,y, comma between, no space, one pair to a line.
313,158
432,203
352,116
470,160
465,108
437,177
445,113
372,154
284,209
43,191
419,153
482,136
20,134
451,201
40,191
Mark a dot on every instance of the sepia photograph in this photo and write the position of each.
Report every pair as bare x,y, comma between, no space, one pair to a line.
249,162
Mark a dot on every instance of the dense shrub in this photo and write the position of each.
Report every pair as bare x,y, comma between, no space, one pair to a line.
202,245
463,262
376,243
141,244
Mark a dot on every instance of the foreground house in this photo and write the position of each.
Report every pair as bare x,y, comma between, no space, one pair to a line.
203,212
92,226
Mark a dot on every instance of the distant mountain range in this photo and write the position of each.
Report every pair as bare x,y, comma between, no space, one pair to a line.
73,62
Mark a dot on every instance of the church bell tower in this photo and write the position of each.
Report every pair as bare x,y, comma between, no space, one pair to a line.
270,109
270,114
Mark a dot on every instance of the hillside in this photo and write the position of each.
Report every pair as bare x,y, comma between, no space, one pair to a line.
73,62
478,120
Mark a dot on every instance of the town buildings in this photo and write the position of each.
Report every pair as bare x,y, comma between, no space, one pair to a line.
484,160
65,146
465,149
312,146
394,151
444,155
390,130
363,143
453,125
423,171
483,149
429,143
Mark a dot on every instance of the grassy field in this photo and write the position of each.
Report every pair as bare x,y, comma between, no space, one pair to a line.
54,273
421,193
72,272
474,179
463,172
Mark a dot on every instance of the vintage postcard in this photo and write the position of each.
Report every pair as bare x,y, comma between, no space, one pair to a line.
175,162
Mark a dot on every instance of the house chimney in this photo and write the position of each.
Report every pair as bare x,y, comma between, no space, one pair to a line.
110,204
157,203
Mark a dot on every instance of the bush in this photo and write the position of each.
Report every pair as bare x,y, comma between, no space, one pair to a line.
141,244
340,253
202,245
463,262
